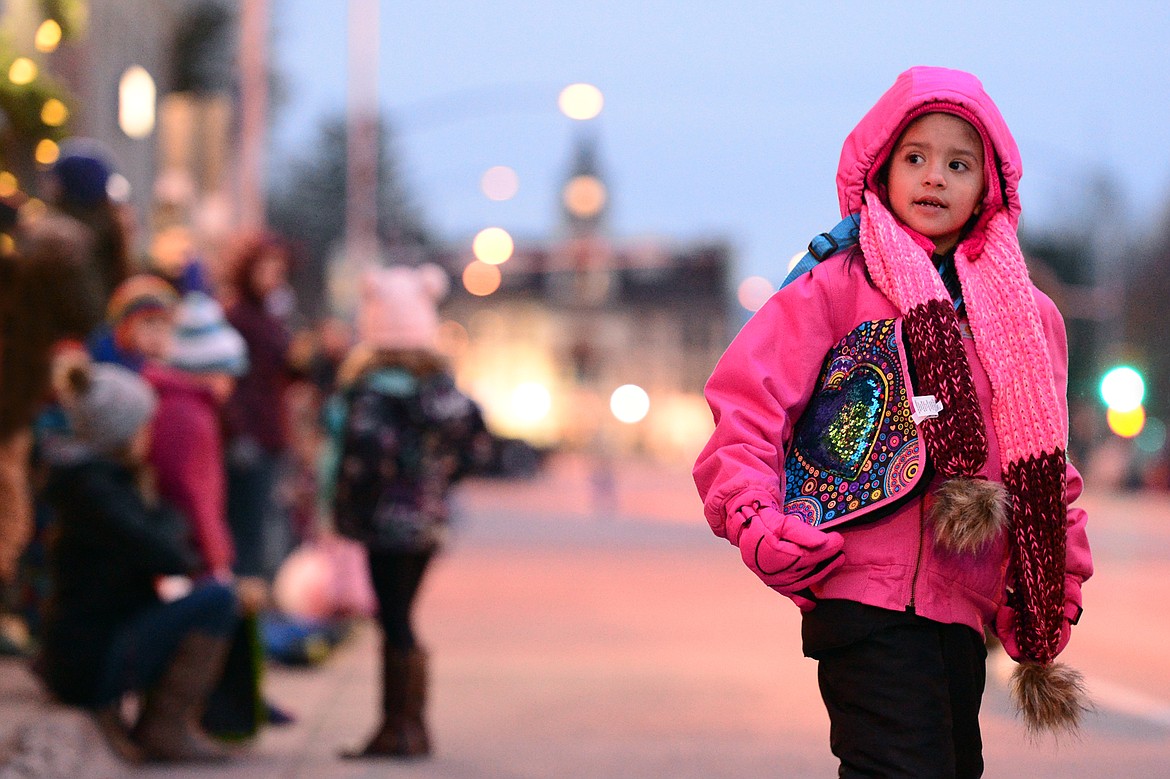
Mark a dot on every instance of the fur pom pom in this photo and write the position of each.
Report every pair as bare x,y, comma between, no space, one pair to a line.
1051,698
969,513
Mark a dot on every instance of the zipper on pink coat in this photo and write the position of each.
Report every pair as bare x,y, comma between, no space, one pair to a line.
918,559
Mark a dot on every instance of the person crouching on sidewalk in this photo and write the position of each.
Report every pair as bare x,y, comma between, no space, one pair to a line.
123,616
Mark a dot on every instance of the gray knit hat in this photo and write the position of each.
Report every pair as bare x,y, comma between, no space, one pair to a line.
108,406
204,341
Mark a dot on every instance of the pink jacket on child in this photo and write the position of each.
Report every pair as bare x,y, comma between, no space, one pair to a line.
186,452
766,379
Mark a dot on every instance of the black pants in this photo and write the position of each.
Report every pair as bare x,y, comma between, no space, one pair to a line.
396,577
902,692
250,484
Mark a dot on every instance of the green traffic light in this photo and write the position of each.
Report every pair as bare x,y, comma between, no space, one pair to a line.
1122,388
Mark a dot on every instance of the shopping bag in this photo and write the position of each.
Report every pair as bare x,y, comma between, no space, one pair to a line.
325,578
235,709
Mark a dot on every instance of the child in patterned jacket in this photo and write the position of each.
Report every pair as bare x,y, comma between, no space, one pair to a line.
404,434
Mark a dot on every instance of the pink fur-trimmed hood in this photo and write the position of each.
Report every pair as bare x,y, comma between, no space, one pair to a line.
868,146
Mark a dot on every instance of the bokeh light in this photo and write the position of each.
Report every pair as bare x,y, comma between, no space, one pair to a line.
581,101
8,184
481,279
1123,389
629,403
1126,424
530,402
500,183
48,36
170,248
492,245
136,98
54,112
47,152
118,188
22,71
794,260
1153,436
754,292
584,196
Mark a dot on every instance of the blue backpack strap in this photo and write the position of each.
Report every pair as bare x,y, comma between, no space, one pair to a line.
825,245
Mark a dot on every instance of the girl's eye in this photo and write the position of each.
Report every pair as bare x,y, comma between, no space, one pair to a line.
958,165
914,158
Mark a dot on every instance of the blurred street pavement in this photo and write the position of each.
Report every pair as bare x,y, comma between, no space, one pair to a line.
577,634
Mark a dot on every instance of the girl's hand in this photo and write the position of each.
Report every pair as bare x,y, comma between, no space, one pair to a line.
788,555
1005,631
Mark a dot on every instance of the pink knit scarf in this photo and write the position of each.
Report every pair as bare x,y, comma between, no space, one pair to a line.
1026,412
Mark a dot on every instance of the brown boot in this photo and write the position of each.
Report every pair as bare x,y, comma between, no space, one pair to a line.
416,740
117,733
168,729
403,688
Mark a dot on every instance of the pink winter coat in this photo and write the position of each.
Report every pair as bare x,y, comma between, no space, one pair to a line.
766,378
186,452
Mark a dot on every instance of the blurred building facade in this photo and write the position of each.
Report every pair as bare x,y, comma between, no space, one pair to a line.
580,314
154,82
121,38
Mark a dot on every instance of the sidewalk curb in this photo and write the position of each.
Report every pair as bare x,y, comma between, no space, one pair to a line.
50,741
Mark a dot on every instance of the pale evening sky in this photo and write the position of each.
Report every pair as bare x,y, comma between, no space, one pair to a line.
726,119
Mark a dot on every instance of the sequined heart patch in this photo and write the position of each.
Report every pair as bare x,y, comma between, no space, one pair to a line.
846,418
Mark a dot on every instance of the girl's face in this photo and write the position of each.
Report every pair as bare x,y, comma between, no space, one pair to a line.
935,180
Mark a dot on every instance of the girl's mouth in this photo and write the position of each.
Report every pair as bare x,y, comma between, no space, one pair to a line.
930,203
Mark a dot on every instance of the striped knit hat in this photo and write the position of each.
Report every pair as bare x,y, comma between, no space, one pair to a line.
968,511
204,341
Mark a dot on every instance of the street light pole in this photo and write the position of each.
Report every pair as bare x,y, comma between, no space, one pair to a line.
361,180
253,59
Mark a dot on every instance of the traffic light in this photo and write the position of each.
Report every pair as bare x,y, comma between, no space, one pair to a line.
1123,389
1127,424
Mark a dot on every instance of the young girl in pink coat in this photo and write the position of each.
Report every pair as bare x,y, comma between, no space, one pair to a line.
889,444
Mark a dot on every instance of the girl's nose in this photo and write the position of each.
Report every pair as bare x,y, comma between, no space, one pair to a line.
934,177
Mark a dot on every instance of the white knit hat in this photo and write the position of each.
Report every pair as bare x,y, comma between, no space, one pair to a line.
398,306
204,341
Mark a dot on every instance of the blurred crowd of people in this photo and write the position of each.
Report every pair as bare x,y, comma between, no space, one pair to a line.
162,439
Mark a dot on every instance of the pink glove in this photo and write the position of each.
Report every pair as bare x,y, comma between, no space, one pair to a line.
1005,630
788,555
